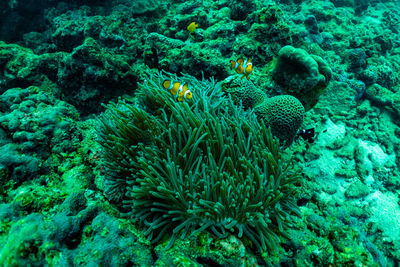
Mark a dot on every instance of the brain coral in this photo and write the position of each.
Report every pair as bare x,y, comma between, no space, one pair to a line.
302,75
284,114
205,165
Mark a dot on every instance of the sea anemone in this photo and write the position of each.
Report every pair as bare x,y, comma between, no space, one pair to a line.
201,165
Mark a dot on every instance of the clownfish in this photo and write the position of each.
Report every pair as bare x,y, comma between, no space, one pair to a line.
178,90
242,67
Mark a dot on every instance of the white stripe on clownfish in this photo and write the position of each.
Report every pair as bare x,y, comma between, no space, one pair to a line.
241,66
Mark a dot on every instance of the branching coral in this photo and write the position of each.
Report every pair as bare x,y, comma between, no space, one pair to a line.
185,167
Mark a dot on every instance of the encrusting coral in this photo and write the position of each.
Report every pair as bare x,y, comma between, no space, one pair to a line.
302,75
205,164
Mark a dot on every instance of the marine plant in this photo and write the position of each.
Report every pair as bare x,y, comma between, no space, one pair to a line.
200,165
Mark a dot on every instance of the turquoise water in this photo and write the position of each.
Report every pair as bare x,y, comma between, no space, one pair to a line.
199,133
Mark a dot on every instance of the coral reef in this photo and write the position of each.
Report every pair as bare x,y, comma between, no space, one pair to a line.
20,67
33,125
59,60
89,74
86,76
79,234
302,75
383,97
207,165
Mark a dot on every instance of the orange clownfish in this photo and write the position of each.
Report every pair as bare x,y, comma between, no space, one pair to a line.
242,67
178,90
